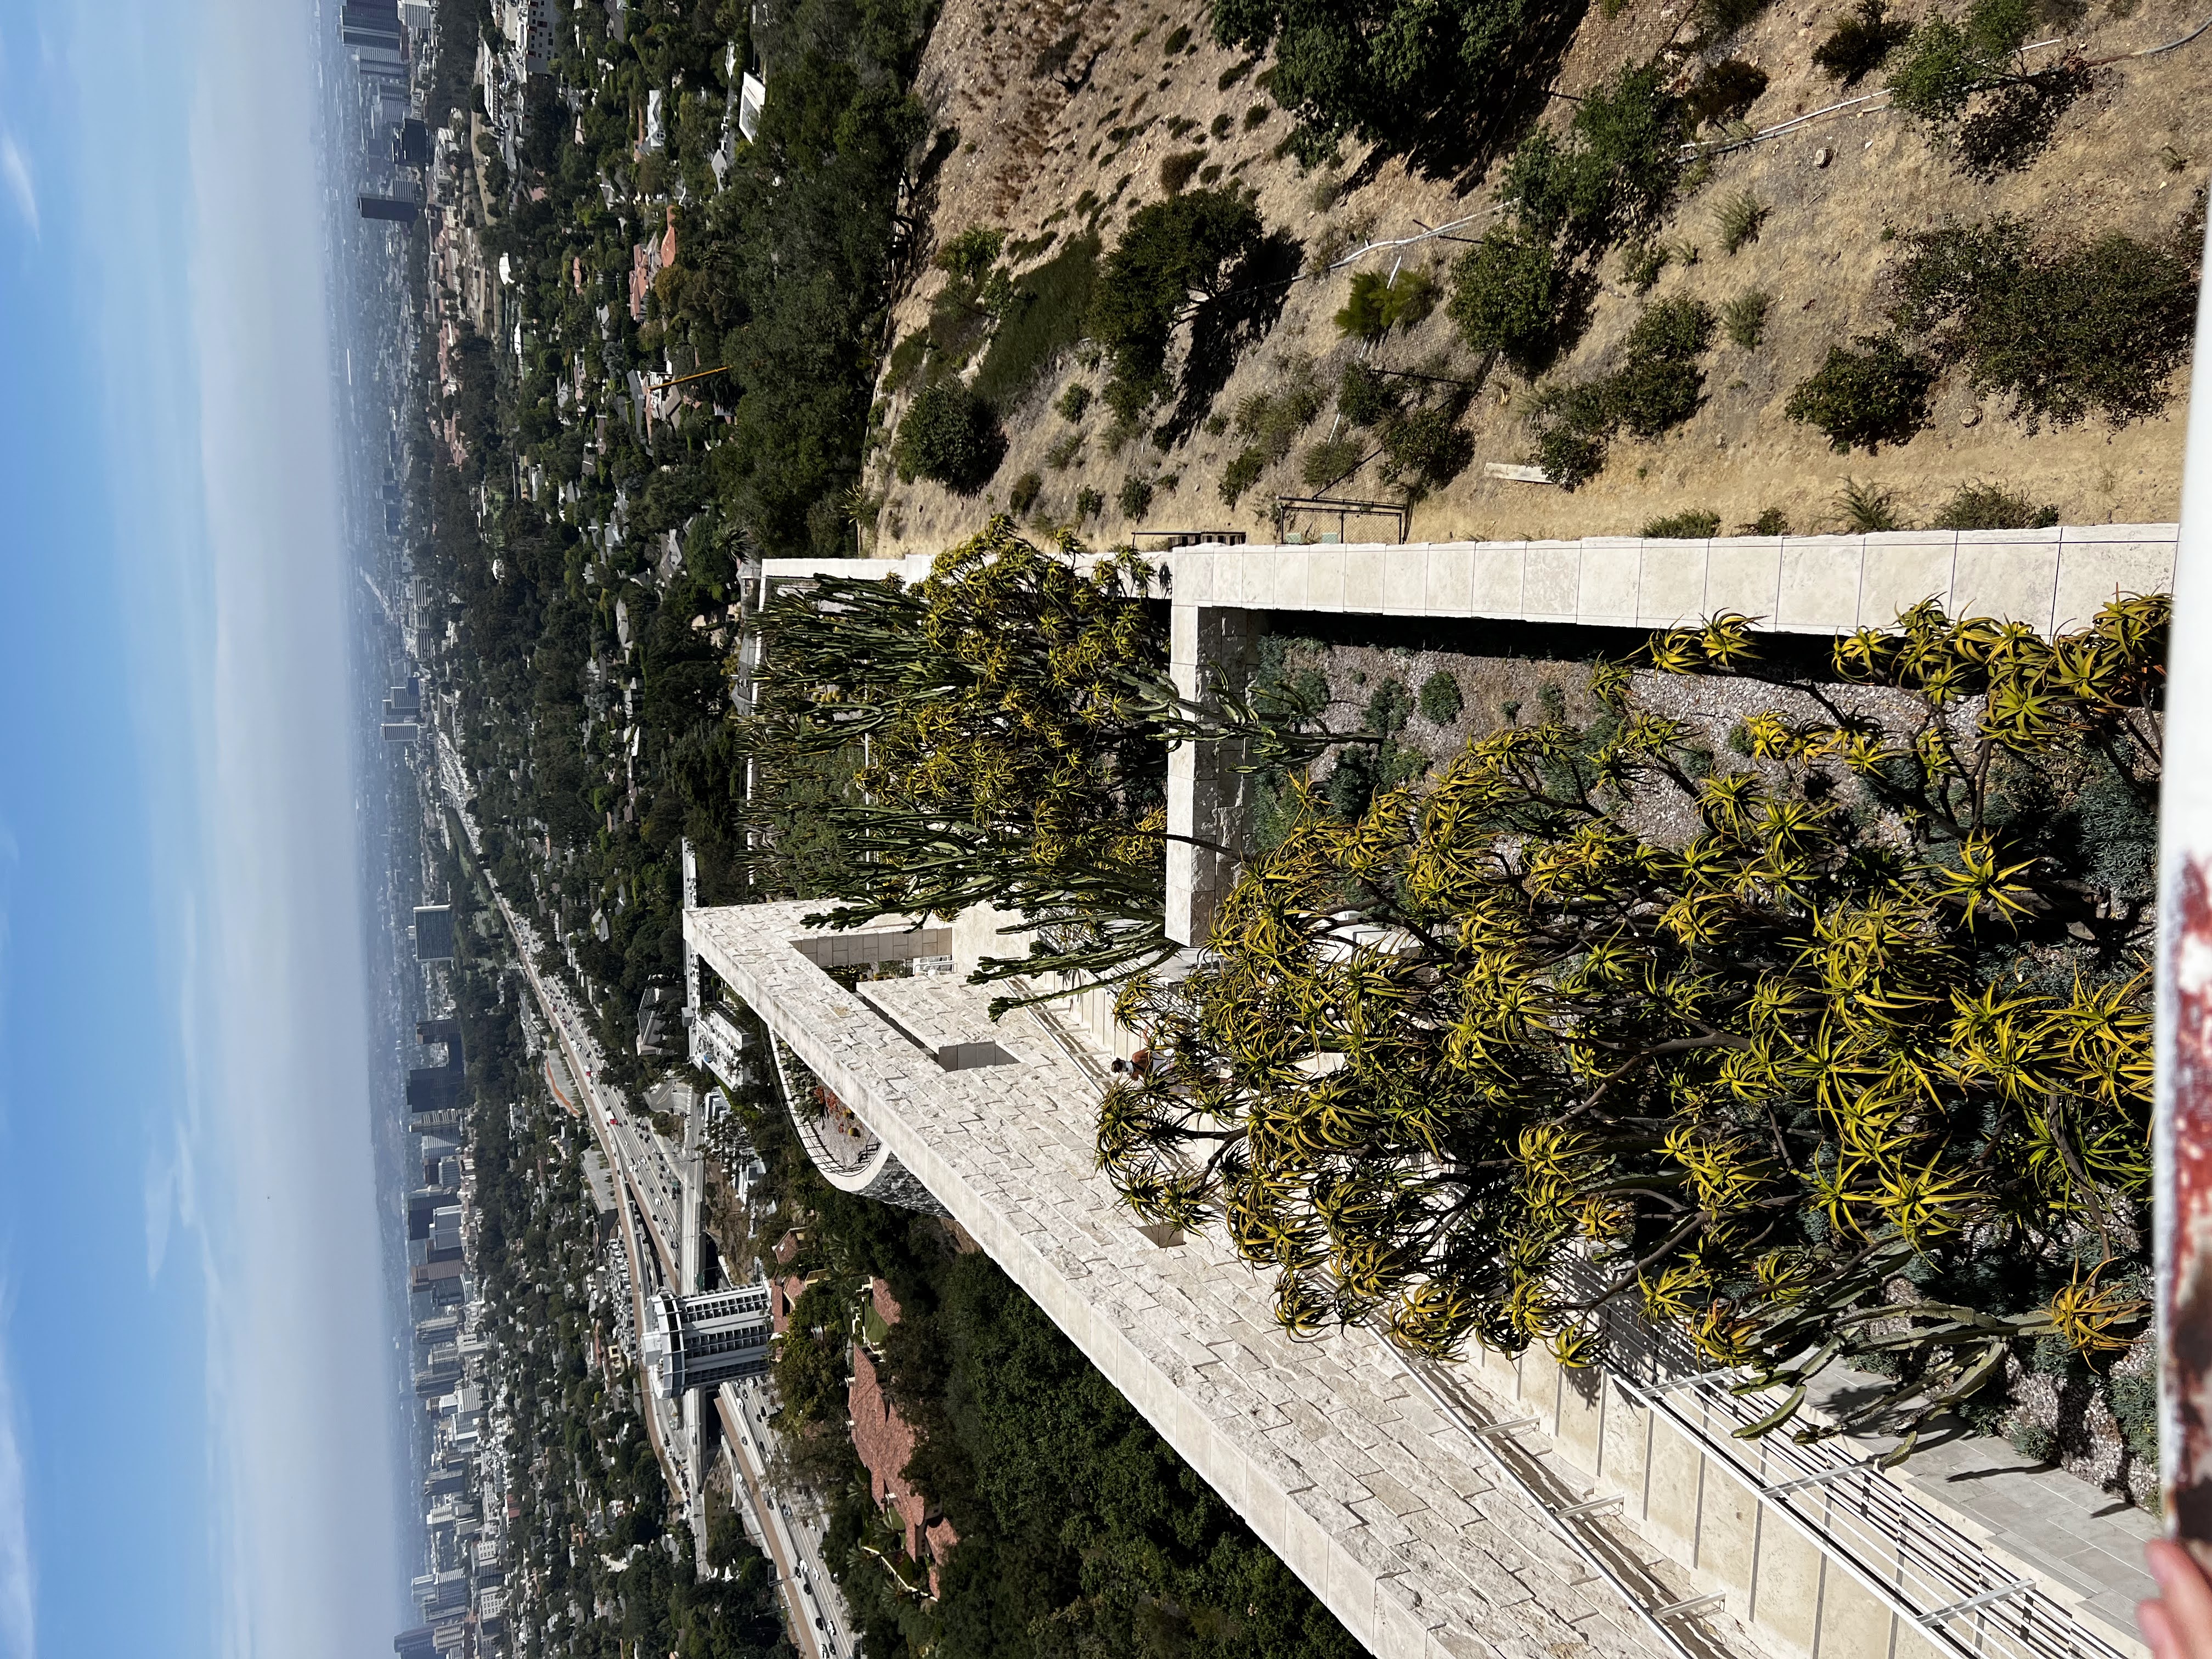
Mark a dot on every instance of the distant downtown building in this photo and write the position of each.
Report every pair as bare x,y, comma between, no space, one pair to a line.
434,933
400,211
434,1092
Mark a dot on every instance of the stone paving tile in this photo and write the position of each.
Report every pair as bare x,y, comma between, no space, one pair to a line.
1342,1466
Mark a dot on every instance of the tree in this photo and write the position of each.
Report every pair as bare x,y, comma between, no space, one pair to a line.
950,435
1175,255
1613,172
1946,62
1492,1062
1014,712
2064,329
1508,293
1380,69
1875,394
1007,761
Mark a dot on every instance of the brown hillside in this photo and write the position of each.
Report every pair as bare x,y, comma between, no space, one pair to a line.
2126,156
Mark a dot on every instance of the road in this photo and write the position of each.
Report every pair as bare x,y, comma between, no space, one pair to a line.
618,1137
795,1539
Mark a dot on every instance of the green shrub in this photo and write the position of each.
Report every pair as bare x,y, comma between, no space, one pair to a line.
1074,402
1658,386
1867,396
1177,42
968,256
949,435
2134,1402
1189,245
1946,63
1868,508
1745,317
1860,42
1641,262
906,358
1241,474
1440,698
1384,69
1690,525
1089,504
1331,461
1176,170
1389,706
1738,220
1673,331
1725,92
1571,423
1992,507
1773,521
1135,498
1615,171
1661,386
1426,447
1257,116
1509,292
1274,419
2065,330
1041,318
1378,304
1023,495
1723,20
1366,397
1064,450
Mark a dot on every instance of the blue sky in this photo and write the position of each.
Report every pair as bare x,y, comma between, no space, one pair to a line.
194,1447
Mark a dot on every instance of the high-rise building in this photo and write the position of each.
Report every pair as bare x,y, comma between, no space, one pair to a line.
702,1341
401,731
396,210
434,933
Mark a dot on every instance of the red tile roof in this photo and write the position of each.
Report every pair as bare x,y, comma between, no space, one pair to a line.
885,1443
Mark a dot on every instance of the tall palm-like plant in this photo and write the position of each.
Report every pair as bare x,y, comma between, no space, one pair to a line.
1492,1061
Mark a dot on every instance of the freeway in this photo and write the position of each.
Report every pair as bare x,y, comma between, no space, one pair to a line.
744,1414
619,1139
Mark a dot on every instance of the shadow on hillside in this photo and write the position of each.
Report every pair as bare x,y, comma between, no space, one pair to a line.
1460,142
1224,328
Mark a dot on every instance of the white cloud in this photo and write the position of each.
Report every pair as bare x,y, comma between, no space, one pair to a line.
18,1599
16,172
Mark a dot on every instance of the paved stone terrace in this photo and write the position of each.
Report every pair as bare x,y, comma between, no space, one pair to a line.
1332,1456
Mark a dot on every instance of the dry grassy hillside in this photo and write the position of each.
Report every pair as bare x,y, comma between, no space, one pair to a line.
1059,108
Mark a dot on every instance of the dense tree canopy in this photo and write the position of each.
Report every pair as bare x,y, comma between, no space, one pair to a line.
1175,255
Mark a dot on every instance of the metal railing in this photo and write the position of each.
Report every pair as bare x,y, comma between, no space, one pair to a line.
1928,1572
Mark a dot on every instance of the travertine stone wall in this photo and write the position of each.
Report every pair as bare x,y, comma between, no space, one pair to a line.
2053,579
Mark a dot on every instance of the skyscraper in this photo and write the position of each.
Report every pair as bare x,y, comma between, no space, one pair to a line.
434,933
